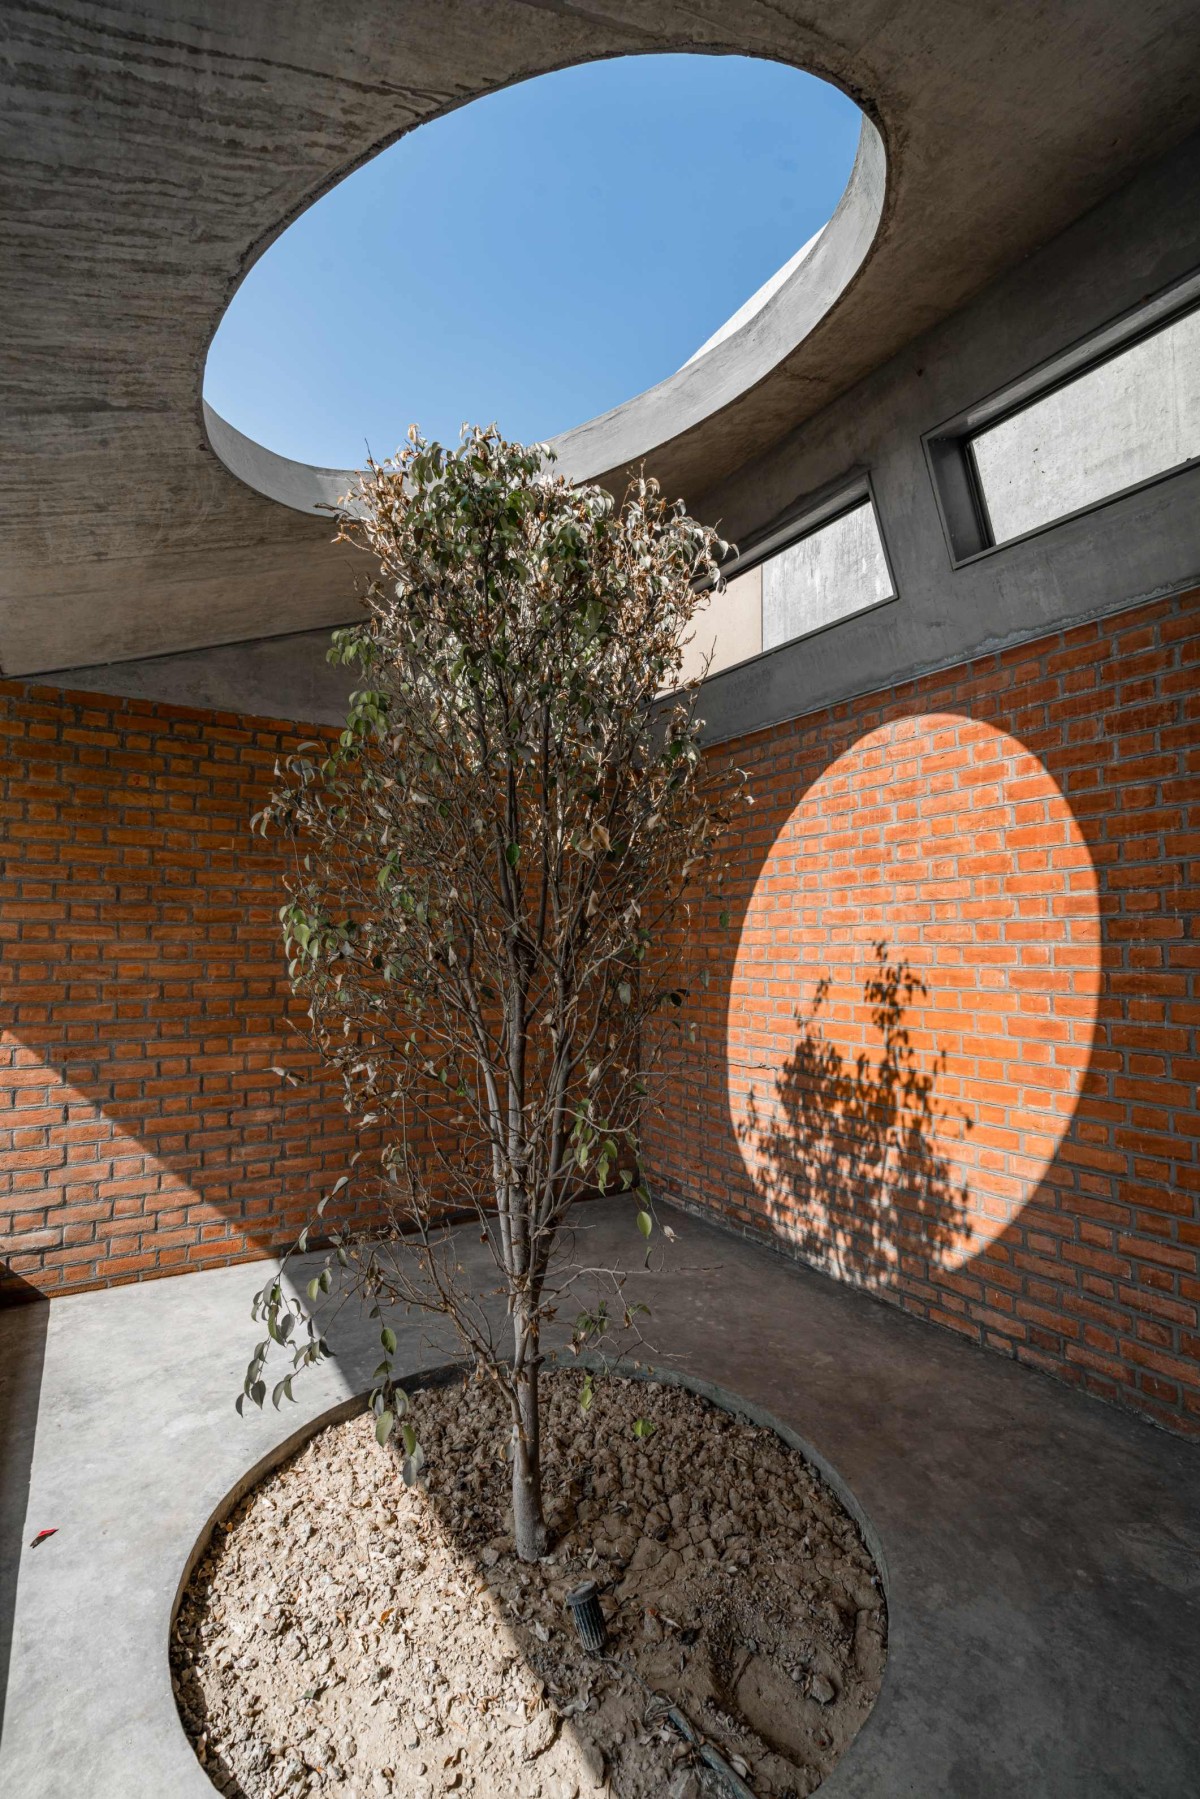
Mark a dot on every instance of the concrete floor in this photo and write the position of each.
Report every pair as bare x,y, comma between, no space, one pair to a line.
1041,1552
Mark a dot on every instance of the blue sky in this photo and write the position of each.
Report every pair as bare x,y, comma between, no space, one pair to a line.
533,258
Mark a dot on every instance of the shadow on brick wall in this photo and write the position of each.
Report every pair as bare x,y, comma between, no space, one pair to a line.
845,1152
1022,832
144,1126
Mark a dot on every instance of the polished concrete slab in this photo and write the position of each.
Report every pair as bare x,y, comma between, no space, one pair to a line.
1041,1551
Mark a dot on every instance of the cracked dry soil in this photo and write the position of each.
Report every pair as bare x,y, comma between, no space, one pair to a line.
346,1635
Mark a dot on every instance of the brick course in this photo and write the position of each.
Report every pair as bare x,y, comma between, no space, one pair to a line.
1023,834
143,997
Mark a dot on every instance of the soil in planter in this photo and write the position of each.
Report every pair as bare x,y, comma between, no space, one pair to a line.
347,1635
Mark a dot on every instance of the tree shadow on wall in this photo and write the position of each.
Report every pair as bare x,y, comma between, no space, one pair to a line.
847,1158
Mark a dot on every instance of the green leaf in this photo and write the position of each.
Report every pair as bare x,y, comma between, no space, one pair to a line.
645,1223
383,1427
388,1339
314,1287
512,854
642,1428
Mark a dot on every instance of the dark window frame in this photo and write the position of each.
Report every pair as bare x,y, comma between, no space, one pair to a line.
803,519
807,516
949,447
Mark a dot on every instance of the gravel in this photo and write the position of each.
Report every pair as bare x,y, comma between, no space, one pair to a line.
346,1635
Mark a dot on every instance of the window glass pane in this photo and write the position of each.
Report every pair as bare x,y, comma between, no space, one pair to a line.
835,571
1126,421
727,628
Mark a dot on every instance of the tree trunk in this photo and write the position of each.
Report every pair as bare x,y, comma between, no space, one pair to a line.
529,1526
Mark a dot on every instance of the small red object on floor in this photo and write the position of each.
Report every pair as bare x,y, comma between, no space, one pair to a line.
43,1534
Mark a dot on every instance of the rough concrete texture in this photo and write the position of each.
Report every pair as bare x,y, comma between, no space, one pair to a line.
1139,546
1039,1550
270,677
1120,424
1143,544
831,573
152,151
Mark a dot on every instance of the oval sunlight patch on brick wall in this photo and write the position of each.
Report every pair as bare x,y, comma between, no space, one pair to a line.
913,999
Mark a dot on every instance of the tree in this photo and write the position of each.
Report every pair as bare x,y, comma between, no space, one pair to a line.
486,881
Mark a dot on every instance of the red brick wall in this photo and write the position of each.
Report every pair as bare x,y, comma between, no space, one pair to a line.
1020,834
1021,1161
143,998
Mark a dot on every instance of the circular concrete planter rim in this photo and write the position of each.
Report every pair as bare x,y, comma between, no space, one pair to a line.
444,1374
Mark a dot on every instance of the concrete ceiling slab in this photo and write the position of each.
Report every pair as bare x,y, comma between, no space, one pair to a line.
150,152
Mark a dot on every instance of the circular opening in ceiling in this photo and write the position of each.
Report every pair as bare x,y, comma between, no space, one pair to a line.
535,257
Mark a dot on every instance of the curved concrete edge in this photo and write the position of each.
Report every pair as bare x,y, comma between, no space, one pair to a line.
764,1419
702,388
299,485
158,1749
708,382
443,1374
757,300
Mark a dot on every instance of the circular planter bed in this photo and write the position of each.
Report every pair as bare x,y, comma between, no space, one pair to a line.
344,1634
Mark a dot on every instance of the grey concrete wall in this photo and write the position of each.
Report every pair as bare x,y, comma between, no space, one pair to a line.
1143,544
